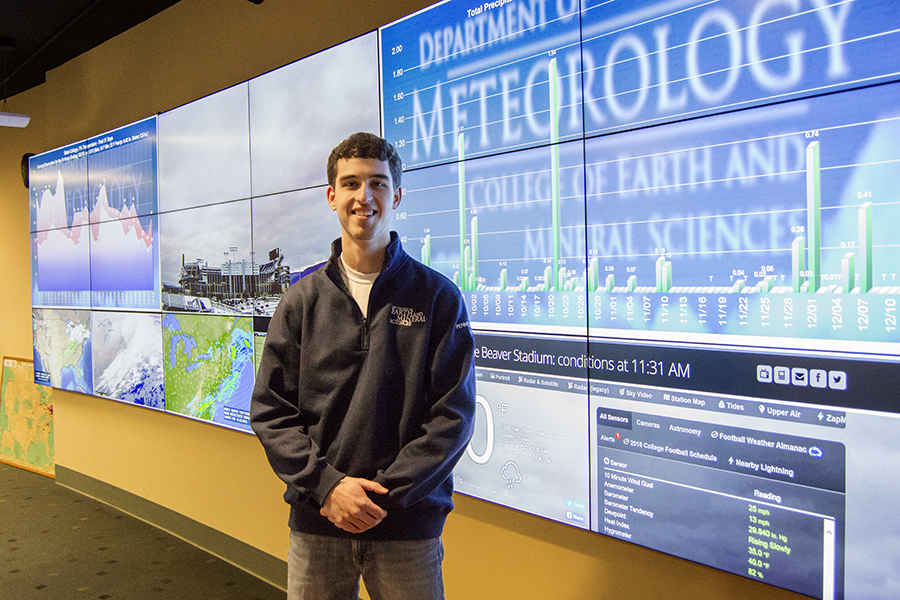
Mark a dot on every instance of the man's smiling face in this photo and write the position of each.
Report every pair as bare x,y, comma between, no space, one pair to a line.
364,198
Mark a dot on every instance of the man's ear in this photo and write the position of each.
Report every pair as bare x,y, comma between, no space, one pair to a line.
398,193
329,195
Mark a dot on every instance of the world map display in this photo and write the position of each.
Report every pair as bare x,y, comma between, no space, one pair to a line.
208,366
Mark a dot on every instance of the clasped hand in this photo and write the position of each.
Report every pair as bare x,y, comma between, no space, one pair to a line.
350,509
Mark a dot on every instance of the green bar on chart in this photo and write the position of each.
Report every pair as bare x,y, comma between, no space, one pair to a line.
473,244
865,247
848,272
464,272
798,263
554,171
426,251
813,213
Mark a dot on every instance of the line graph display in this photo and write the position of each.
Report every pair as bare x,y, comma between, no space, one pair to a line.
483,69
58,195
123,163
123,216
59,209
94,220
61,267
651,62
769,222
508,229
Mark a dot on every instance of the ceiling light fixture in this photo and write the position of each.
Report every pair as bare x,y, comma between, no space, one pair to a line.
8,119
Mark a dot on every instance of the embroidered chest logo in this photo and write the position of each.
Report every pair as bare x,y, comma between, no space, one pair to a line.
406,316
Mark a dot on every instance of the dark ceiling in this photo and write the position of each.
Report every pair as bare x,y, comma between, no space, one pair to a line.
39,35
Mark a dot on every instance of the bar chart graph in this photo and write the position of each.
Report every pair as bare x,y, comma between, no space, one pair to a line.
771,222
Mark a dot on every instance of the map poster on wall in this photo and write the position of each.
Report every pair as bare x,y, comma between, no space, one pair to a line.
26,419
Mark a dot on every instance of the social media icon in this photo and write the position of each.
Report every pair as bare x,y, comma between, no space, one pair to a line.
800,377
764,373
818,378
837,380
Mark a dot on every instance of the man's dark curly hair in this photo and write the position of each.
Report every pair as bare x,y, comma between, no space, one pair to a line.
366,145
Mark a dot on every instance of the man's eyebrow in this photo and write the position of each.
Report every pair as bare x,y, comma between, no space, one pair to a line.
353,176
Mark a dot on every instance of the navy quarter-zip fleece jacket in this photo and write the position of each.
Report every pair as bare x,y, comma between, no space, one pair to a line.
390,398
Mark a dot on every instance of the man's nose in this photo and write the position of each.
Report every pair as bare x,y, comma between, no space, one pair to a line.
364,193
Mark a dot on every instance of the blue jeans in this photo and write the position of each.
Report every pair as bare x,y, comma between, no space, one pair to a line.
327,568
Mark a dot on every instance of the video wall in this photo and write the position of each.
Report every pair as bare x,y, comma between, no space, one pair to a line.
158,252
672,223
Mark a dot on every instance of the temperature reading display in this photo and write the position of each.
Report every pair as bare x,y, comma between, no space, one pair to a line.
658,465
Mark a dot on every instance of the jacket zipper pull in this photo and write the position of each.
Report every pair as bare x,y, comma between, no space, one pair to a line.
365,333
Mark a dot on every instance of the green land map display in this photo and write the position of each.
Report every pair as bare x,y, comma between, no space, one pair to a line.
26,419
208,366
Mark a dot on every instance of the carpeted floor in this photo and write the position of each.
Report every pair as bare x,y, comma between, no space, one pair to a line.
57,544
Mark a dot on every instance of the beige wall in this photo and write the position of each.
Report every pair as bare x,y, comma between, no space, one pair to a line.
219,477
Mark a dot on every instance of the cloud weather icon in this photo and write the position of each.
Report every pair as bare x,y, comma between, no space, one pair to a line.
510,472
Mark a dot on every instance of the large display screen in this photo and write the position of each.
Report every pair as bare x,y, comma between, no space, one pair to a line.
672,224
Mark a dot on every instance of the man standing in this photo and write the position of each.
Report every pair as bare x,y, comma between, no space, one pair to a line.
365,398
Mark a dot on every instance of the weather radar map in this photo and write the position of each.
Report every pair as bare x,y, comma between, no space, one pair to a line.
208,366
